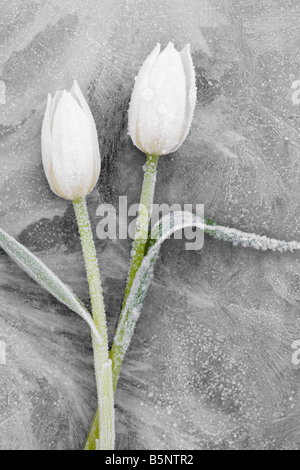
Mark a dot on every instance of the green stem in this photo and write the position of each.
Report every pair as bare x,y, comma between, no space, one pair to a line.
138,250
137,255
103,365
141,234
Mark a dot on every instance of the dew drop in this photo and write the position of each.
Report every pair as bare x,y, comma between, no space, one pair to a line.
162,109
147,94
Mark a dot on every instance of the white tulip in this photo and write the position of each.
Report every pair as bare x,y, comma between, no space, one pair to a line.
70,150
163,101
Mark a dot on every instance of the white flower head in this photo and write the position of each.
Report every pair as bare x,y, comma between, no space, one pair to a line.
70,150
163,101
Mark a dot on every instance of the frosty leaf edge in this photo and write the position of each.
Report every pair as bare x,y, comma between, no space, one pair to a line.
40,273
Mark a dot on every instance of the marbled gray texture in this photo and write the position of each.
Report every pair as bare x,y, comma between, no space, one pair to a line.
210,365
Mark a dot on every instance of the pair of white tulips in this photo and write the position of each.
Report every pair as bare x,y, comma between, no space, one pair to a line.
160,117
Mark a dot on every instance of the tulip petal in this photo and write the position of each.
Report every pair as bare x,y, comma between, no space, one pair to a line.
46,138
142,82
78,95
46,141
53,107
72,149
163,101
191,89
162,120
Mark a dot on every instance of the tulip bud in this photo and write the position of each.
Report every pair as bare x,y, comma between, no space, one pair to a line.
163,101
70,150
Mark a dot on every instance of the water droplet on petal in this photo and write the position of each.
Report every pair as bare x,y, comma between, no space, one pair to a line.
147,94
162,109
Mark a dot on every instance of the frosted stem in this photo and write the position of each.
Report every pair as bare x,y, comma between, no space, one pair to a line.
141,234
103,366
138,250
137,255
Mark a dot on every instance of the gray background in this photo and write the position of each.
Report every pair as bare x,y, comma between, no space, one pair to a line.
210,365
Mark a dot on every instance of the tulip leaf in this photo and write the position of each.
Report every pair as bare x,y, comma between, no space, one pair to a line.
167,226
38,271
164,228
132,310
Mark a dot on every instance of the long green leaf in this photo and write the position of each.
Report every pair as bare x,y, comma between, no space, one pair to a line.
162,231
38,271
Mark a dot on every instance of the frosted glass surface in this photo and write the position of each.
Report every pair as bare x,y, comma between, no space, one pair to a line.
211,365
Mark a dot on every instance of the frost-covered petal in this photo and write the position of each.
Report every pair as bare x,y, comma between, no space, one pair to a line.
70,150
141,84
46,141
46,138
77,94
163,101
162,119
191,89
54,104
73,162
